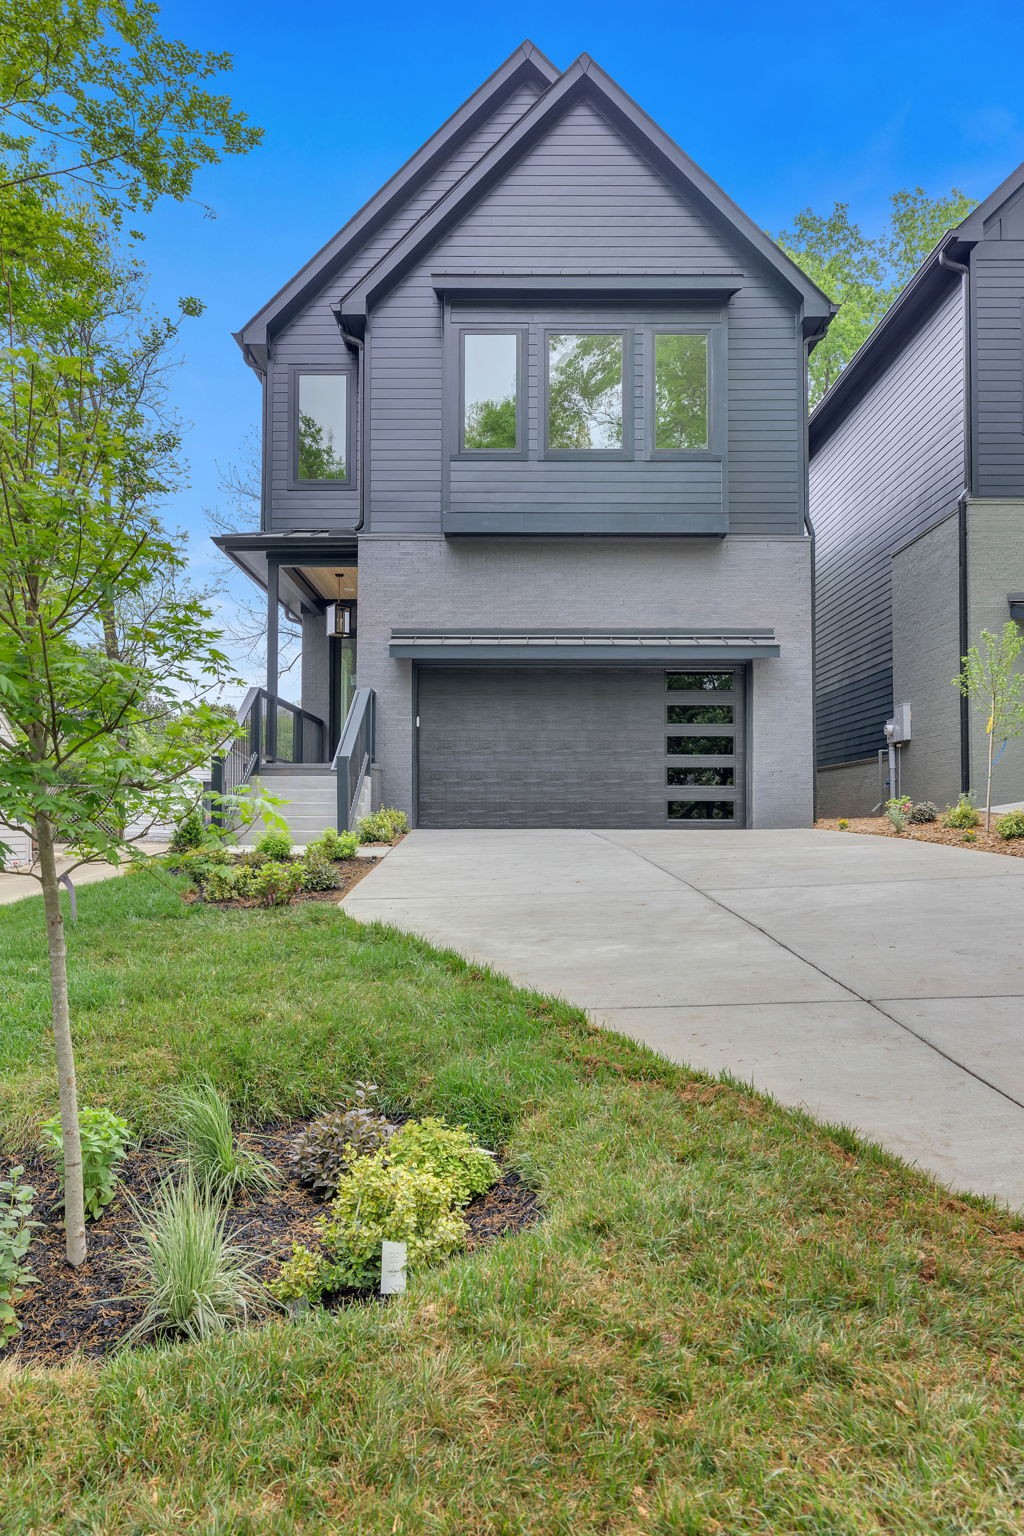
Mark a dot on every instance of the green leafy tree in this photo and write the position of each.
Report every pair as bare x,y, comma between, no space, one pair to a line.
491,424
318,457
105,698
994,684
864,274
585,391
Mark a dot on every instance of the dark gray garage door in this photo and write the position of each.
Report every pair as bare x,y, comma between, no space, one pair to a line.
575,747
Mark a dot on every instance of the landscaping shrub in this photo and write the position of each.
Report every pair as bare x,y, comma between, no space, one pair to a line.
192,1278
274,884
274,845
317,872
221,884
1011,825
963,814
189,834
923,811
335,845
197,863
327,1147
842,824
898,811
448,1151
16,1229
105,1138
379,1201
303,1277
383,826
202,1133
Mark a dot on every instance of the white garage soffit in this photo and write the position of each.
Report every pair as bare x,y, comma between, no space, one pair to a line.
585,645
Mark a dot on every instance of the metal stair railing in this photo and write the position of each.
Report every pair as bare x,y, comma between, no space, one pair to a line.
354,755
301,738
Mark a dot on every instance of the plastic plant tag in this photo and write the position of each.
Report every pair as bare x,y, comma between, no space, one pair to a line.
392,1268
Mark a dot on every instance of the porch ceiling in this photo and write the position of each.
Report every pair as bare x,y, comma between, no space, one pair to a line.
313,557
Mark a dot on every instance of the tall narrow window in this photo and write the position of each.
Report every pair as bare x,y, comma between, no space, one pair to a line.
680,392
585,391
490,391
321,427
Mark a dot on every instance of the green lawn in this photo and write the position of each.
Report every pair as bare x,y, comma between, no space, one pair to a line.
732,1320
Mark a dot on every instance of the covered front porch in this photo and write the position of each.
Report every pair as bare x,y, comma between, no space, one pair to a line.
310,580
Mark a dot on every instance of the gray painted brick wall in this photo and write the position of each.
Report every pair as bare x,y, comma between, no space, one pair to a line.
995,567
926,650
620,584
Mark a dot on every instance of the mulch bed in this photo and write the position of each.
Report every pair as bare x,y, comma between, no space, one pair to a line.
929,832
349,871
85,1312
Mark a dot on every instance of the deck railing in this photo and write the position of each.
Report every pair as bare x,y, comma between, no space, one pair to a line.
354,755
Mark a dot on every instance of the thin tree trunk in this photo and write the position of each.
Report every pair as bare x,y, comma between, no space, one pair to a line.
74,1194
988,785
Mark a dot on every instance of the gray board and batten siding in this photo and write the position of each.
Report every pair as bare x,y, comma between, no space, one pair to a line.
890,468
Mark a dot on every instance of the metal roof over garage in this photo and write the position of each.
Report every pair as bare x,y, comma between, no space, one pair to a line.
588,646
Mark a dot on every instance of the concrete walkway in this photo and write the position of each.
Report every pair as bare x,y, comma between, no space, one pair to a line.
875,982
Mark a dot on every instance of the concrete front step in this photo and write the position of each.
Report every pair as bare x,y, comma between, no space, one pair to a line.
310,796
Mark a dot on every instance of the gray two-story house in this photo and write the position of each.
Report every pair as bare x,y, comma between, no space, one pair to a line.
535,485
917,503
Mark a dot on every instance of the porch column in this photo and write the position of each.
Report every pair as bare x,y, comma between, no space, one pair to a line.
273,626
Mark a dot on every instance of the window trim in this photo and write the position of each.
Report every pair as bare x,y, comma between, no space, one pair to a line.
714,330
295,372
583,328
490,455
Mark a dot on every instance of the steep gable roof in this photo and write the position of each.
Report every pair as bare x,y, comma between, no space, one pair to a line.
527,63
583,78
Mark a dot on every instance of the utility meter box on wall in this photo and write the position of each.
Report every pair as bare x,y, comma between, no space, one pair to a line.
898,728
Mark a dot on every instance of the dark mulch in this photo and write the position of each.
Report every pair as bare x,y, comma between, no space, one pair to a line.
86,1311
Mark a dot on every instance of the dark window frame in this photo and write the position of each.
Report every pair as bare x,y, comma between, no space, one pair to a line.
585,328
714,330
521,332
295,372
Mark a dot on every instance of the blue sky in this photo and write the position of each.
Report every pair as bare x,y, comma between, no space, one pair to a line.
785,105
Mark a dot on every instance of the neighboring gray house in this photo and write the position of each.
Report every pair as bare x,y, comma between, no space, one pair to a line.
535,463
917,503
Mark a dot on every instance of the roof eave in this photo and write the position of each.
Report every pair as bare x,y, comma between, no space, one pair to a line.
527,61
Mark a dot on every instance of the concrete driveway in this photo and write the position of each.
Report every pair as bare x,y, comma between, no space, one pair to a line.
875,982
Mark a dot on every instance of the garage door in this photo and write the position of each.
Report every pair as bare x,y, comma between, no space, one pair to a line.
580,747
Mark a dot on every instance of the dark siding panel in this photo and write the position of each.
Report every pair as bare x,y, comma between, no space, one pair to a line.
998,292
584,200
893,468
312,337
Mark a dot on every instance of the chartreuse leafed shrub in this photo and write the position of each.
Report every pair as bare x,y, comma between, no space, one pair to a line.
383,826
201,1131
274,884
963,814
923,811
274,845
1011,825
105,1138
16,1229
192,1278
334,845
447,1151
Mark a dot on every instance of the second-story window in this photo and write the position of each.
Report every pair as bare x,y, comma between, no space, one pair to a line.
680,414
321,427
585,395
490,392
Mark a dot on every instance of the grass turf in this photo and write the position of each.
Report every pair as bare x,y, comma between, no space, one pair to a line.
733,1320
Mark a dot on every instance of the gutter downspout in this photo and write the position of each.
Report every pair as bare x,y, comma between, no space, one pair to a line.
809,343
964,272
359,347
